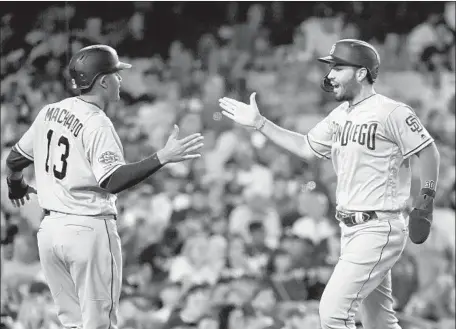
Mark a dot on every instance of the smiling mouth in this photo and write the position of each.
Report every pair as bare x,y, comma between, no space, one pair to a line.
336,87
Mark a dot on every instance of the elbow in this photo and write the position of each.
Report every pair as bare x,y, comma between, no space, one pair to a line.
16,162
435,154
305,152
430,152
111,188
10,163
108,185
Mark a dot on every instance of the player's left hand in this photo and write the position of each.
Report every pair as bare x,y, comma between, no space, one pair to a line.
420,219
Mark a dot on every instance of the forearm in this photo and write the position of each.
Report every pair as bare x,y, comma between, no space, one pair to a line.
131,174
15,163
13,175
293,142
429,160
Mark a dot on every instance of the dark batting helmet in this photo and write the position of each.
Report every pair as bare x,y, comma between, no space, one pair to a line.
90,62
352,52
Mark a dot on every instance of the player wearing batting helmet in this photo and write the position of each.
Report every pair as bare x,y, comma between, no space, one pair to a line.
91,62
370,139
79,168
354,53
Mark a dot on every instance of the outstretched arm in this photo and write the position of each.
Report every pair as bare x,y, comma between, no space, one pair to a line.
175,150
291,141
249,115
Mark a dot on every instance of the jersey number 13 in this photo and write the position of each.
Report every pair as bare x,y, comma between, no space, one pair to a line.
59,174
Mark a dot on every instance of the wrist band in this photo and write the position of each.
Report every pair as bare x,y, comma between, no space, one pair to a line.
155,157
16,182
260,123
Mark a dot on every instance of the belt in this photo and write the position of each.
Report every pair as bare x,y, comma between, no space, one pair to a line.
355,218
48,212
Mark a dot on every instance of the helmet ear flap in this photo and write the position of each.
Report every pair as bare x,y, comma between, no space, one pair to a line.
326,84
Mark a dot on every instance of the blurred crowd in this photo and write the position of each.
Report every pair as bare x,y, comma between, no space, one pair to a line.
244,237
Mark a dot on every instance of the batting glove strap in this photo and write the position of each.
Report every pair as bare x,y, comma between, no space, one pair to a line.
424,202
17,189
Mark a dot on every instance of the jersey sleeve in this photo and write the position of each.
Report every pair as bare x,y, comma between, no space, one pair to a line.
319,139
25,145
405,128
104,152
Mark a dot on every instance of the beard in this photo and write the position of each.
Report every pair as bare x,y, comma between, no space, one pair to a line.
347,91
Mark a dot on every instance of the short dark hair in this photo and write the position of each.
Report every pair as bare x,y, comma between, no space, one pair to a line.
370,80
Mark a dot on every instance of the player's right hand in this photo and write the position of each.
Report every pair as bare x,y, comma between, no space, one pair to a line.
177,150
20,201
247,115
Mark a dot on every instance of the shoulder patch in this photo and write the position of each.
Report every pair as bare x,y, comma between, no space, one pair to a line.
108,157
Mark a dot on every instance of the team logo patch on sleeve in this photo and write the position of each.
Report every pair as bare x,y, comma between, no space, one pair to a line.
108,158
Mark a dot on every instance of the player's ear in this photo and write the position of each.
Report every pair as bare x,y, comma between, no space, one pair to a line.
103,82
361,74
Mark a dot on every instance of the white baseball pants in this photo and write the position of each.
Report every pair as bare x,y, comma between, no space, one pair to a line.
82,263
362,277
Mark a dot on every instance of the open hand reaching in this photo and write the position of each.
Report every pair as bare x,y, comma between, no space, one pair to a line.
247,115
177,150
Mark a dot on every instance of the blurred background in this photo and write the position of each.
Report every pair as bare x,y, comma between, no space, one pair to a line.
244,237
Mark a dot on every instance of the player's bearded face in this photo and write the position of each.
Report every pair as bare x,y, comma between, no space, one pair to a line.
344,81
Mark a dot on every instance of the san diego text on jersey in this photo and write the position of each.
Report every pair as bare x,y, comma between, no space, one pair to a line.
363,134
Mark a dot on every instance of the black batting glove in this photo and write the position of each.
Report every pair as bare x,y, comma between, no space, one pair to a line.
17,189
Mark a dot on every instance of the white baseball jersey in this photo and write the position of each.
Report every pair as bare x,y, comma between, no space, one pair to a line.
370,145
74,147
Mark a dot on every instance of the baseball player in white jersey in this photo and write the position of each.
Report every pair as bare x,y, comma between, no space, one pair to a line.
79,167
370,139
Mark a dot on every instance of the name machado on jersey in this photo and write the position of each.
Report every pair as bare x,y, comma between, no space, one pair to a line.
74,147
65,118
